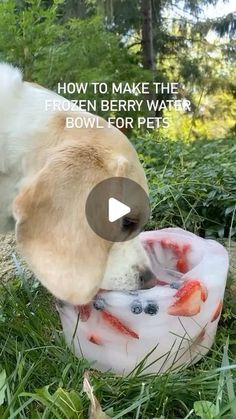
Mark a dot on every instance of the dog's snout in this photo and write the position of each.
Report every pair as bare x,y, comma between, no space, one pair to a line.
146,278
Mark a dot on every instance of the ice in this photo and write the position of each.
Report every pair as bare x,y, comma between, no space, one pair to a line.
175,321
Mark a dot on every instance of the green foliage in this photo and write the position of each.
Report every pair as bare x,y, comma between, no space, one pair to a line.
205,409
226,25
28,33
213,117
41,37
3,387
120,16
51,50
192,185
61,403
207,78
90,53
48,50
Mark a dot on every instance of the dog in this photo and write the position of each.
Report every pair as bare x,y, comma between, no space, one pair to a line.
46,173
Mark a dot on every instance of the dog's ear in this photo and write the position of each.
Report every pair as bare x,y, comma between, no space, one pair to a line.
51,227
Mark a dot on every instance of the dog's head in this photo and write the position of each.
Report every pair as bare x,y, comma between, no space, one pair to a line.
51,227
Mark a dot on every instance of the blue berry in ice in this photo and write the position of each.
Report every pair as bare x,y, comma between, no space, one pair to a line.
136,307
151,308
99,303
175,285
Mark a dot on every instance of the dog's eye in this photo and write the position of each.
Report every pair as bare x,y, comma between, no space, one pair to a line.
128,224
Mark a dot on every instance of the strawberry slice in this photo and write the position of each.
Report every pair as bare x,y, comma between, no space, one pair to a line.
158,281
182,265
201,336
117,325
84,311
188,299
95,339
186,248
204,293
217,311
180,252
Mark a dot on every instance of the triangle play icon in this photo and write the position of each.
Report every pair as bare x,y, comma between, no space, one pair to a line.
116,209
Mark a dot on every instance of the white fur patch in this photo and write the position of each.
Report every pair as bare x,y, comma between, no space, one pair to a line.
11,84
125,262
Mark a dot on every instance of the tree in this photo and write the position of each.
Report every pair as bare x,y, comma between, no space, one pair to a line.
147,35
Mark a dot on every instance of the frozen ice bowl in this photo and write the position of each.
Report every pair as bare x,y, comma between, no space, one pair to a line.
168,326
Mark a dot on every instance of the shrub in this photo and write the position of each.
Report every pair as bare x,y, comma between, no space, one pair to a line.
191,185
51,50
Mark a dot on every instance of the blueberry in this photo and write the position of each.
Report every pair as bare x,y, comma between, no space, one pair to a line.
151,308
99,303
175,285
136,307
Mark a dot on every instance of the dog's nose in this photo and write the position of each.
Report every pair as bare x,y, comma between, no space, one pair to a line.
146,278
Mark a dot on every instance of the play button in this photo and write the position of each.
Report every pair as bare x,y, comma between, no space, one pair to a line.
117,209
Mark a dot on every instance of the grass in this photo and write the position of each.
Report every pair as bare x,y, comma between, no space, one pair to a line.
192,185
40,377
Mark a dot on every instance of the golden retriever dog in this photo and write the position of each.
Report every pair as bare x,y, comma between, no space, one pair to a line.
46,173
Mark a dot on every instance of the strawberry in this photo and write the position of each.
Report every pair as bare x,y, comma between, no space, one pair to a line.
181,265
84,311
186,248
157,281
204,293
200,337
163,243
179,251
176,249
217,311
148,245
198,340
187,299
117,325
95,339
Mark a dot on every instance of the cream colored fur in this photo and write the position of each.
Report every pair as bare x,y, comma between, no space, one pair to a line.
46,174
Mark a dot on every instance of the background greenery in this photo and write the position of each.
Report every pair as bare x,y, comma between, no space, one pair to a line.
102,40
192,185
191,169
